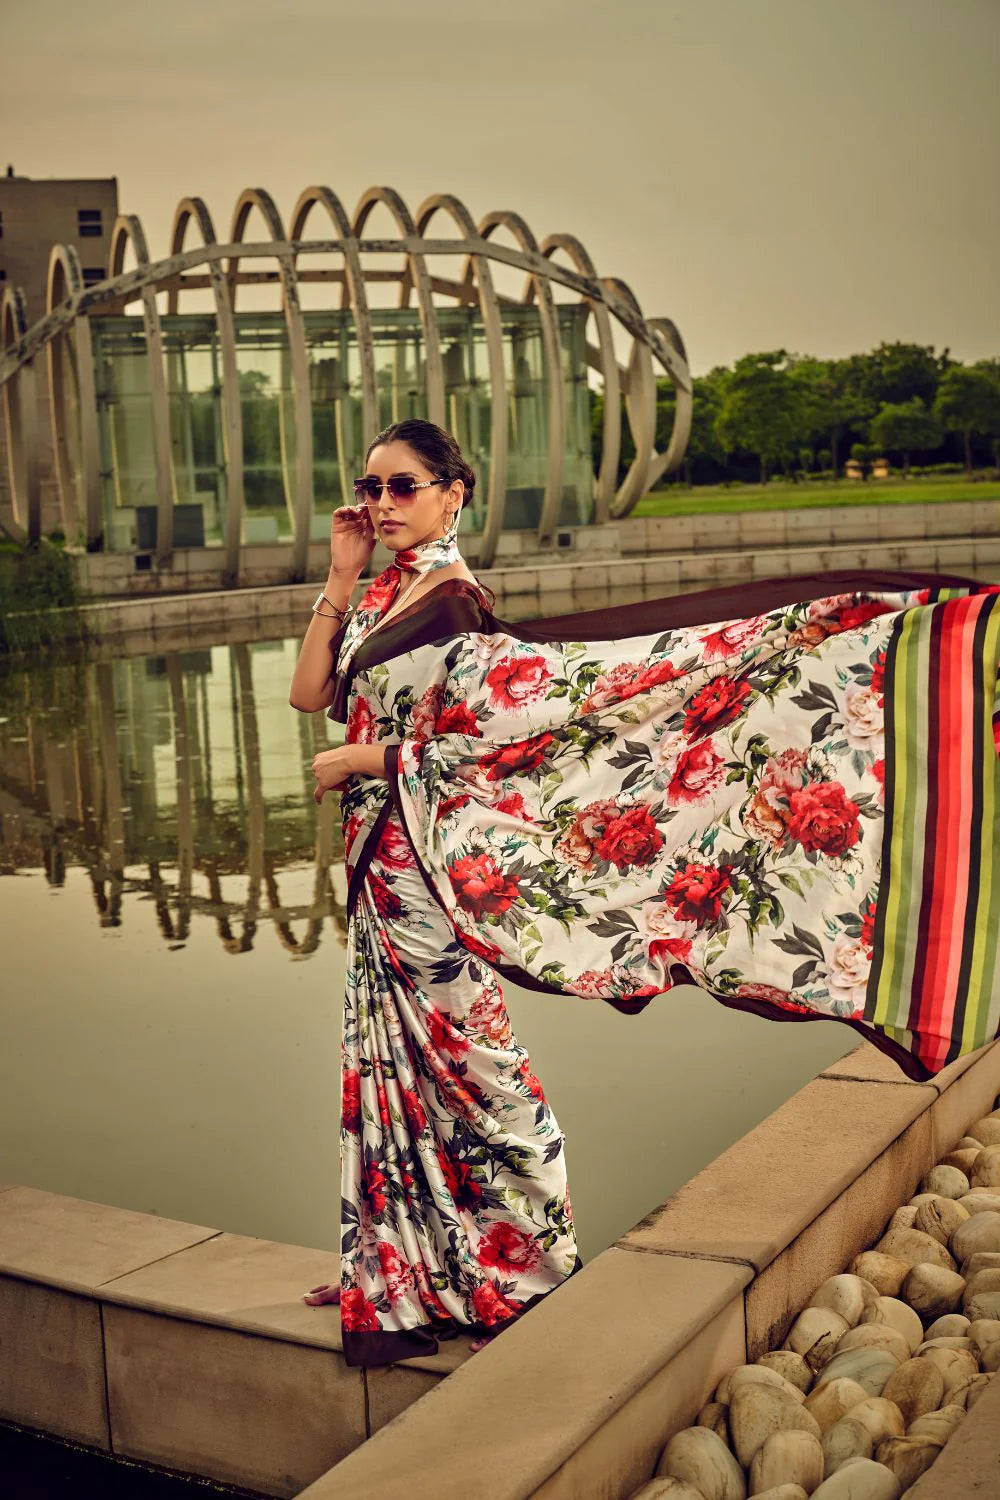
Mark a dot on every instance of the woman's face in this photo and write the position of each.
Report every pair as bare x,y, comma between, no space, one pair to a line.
407,523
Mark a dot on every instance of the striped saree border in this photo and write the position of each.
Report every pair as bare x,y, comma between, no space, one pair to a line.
934,987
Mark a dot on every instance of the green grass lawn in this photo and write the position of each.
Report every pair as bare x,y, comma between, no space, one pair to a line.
675,500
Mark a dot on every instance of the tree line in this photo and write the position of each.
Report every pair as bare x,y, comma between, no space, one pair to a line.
801,417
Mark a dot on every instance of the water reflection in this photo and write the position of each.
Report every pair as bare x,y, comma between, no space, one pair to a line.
184,779
156,822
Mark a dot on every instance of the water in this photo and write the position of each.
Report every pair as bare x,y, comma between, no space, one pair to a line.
173,915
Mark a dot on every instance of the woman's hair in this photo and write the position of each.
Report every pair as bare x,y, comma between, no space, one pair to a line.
437,449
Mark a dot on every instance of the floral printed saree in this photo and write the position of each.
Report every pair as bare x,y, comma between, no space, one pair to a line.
784,793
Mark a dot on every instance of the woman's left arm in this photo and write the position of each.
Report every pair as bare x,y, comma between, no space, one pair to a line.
332,767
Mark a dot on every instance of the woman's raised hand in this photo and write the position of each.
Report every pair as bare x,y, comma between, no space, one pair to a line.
352,540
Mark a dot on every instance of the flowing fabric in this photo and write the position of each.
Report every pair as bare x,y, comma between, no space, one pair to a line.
785,793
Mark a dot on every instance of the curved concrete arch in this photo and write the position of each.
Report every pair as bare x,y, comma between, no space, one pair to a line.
611,444
355,293
640,407
193,211
680,433
552,357
417,277
477,265
298,490
20,404
128,229
79,494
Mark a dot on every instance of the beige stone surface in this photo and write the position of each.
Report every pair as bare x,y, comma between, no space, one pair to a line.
850,1224
969,1088
757,1197
868,1064
79,1245
561,1372
392,1388
258,1412
622,1453
52,1362
969,1466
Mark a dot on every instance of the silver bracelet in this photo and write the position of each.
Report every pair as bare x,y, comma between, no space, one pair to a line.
340,614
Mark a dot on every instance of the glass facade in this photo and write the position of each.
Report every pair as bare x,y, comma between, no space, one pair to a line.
193,373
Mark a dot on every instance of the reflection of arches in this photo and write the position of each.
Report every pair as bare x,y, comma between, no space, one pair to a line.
71,356
298,477
193,210
182,773
128,230
20,405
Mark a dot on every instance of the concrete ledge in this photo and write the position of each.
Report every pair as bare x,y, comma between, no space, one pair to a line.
785,1207
211,1363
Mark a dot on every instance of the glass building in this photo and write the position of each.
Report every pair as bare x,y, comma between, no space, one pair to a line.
233,430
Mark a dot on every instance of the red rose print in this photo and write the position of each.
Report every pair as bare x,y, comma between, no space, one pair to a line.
631,839
448,804
877,769
664,671
522,755
445,1037
458,718
482,950
383,1102
373,1185
513,803
868,926
719,702
481,886
357,1314
878,676
677,947
352,827
528,1078
697,774
387,903
489,1305
414,1111
510,1249
380,592
696,893
518,679
351,1101
732,637
859,614
360,728
397,1275
824,818
394,850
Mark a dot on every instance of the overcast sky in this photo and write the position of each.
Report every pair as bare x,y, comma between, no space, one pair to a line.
817,175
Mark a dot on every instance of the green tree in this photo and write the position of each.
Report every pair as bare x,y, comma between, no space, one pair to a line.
832,400
968,401
894,373
906,427
761,410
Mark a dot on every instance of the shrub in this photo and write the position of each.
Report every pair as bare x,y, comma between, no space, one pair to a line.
39,599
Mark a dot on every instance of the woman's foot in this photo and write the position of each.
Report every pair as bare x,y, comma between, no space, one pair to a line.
320,1294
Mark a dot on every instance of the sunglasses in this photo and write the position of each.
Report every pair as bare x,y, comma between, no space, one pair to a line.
400,487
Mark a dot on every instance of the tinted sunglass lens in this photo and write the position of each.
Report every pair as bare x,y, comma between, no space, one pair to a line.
402,488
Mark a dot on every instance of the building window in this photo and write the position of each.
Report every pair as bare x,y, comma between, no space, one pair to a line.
88,222
3,274
92,274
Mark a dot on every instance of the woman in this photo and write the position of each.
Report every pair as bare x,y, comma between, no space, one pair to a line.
784,792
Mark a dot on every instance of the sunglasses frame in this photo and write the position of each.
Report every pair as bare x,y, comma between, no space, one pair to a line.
369,480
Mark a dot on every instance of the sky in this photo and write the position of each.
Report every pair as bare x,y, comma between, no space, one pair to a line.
814,175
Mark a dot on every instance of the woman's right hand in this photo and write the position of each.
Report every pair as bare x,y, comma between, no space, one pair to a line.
352,540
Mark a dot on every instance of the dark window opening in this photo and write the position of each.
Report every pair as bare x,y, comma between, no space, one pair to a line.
92,274
88,222
3,275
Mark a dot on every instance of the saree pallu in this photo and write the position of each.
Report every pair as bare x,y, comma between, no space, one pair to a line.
784,793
